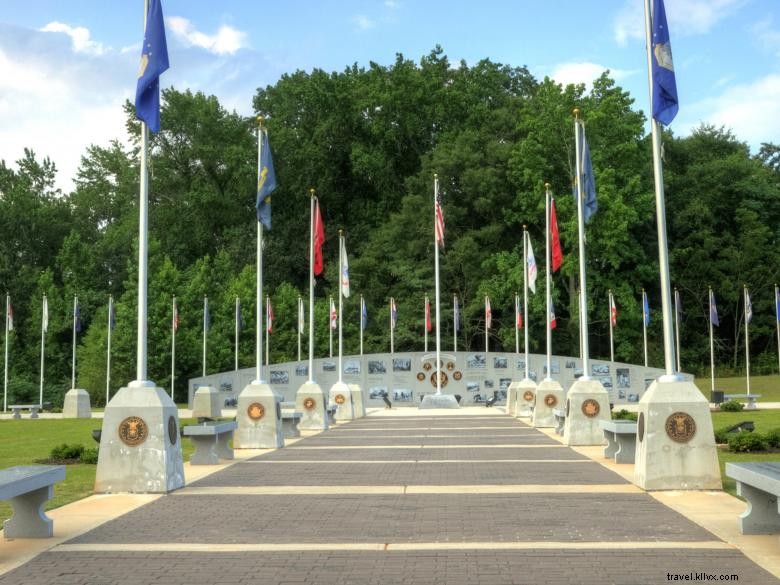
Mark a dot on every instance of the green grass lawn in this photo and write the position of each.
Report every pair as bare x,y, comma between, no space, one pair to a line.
767,386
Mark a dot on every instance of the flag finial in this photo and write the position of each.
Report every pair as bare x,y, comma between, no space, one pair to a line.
547,186
435,175
311,191
260,120
341,233
525,227
576,112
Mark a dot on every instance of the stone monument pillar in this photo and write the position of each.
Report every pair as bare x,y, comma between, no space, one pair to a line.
310,400
358,406
526,396
511,398
140,446
206,403
587,402
675,448
259,418
341,396
76,404
549,396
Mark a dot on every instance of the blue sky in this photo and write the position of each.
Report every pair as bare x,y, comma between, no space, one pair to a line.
66,67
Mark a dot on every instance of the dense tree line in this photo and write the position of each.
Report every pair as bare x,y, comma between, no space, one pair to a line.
370,140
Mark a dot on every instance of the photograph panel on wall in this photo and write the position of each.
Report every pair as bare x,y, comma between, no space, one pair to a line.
623,377
377,392
503,383
352,367
302,370
472,386
402,395
328,366
599,369
489,383
532,375
571,364
280,377
606,381
500,363
555,367
226,385
402,364
376,367
476,360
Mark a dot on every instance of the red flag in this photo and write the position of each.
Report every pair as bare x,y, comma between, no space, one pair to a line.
319,238
428,325
553,320
519,320
612,310
488,314
557,253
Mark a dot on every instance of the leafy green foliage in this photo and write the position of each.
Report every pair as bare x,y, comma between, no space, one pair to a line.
747,442
731,406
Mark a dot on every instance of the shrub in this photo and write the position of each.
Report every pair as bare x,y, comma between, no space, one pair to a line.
746,442
731,406
66,451
722,435
90,456
623,414
773,438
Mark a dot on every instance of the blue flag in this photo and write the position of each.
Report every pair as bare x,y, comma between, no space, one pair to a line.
77,317
713,310
154,61
206,315
363,315
266,181
645,308
457,314
111,316
589,203
665,105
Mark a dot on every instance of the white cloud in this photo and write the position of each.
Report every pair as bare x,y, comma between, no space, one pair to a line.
751,110
391,4
767,37
226,41
363,22
686,17
584,72
79,36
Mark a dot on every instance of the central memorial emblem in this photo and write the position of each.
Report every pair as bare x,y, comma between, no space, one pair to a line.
133,431
339,399
255,411
590,408
528,396
442,376
550,400
680,427
309,403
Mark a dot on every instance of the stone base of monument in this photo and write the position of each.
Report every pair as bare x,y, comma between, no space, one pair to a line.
430,401
341,396
358,406
311,402
511,398
76,404
140,448
206,403
259,418
549,395
526,395
675,448
587,402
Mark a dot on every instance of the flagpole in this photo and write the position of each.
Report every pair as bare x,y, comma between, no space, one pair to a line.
455,323
391,326
341,295
425,325
44,325
525,297
436,271
578,130
677,327
547,264
143,252
517,331
487,331
205,329
259,275
330,329
712,348
300,310
173,346
108,347
5,368
311,286
777,323
660,208
238,308
644,321
361,324
611,334
267,321
73,359
747,339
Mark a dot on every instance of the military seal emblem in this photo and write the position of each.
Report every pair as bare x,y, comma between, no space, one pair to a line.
133,431
680,427
550,400
309,403
590,408
255,411
528,396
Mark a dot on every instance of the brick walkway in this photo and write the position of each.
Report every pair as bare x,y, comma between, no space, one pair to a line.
391,500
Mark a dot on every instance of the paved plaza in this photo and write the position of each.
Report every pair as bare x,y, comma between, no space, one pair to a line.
408,497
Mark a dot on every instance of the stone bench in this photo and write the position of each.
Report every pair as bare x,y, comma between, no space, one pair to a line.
560,420
211,440
748,399
759,484
290,420
18,408
28,488
331,410
621,440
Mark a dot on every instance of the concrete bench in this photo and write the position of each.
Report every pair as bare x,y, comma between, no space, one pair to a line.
331,410
621,440
211,440
560,420
18,408
748,399
28,488
759,484
290,420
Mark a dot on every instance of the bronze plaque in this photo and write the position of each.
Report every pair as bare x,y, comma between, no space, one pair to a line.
420,376
550,400
442,377
640,426
133,431
427,366
680,427
450,365
528,396
339,399
457,375
590,408
309,403
173,432
255,411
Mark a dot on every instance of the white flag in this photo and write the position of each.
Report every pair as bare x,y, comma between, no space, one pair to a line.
344,270
334,318
45,314
301,318
531,266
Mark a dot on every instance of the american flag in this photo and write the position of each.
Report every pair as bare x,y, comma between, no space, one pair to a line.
439,227
612,310
488,314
